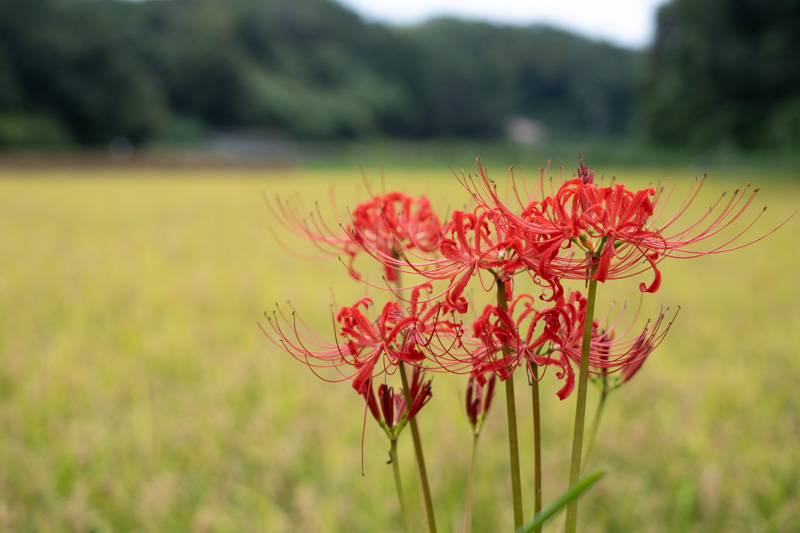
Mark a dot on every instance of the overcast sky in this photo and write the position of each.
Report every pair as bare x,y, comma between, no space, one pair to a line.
628,23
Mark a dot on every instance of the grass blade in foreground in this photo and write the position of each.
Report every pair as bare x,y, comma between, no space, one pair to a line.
559,503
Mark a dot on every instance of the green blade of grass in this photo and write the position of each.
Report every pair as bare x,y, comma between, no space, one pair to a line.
575,491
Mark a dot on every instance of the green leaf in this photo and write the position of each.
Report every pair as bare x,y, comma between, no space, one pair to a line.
575,491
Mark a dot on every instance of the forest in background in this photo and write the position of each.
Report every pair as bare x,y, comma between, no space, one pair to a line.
81,73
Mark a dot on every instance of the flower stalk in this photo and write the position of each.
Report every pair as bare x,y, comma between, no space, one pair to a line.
399,484
422,472
478,400
511,408
580,408
537,443
598,414
470,485
513,452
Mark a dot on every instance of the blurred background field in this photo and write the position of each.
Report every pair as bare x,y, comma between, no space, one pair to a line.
138,394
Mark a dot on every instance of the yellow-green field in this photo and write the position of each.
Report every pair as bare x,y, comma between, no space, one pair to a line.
138,394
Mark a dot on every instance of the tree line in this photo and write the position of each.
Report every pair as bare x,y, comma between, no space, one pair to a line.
82,72
79,73
724,73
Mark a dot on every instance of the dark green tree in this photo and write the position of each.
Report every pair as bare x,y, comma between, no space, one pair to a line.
724,72
87,71
69,70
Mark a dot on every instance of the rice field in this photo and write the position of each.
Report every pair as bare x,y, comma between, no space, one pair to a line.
137,393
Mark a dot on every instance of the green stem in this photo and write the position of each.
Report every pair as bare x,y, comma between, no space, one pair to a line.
470,484
422,473
537,443
399,483
598,414
513,451
511,408
580,408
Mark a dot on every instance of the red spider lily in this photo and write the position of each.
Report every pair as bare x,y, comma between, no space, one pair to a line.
472,245
477,404
369,348
553,336
565,234
420,393
363,346
393,414
376,339
427,321
382,222
612,350
605,224
632,367
471,242
609,382
526,334
588,231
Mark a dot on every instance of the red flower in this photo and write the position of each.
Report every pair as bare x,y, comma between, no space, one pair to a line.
553,336
394,414
527,334
421,336
363,346
477,404
374,339
394,218
471,242
641,348
382,222
584,230
476,241
613,350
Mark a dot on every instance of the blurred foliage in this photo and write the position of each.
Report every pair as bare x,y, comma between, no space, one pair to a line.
474,75
86,72
721,75
68,65
724,73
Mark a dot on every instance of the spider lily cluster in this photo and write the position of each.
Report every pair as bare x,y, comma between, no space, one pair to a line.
537,238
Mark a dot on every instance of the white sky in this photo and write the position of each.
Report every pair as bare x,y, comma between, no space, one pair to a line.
628,23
